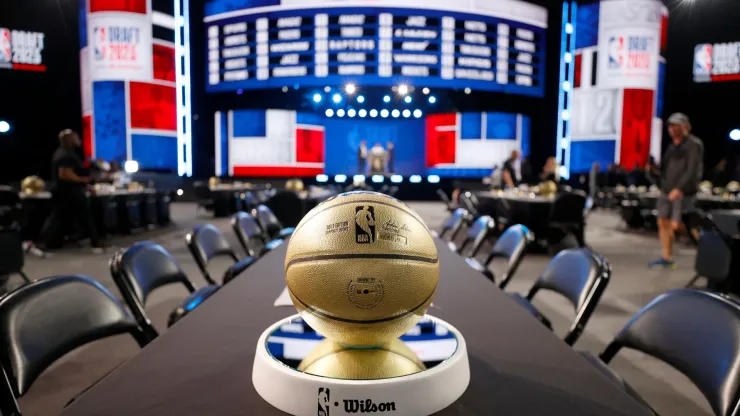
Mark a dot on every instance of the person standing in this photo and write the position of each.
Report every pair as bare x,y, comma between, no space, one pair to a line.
682,169
509,172
362,157
69,200
593,179
391,156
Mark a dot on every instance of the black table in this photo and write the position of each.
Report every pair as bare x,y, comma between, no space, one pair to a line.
728,220
203,365
533,212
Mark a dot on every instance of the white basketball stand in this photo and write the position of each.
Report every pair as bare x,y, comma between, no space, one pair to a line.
419,394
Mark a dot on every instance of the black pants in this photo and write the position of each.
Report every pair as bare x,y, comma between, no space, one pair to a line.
69,205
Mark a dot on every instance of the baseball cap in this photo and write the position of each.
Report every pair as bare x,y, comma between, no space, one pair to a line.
678,118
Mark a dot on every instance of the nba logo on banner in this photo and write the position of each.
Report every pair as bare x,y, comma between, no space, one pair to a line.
6,55
116,44
703,63
616,52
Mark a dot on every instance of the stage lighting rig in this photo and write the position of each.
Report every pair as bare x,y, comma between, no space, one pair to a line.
350,89
337,98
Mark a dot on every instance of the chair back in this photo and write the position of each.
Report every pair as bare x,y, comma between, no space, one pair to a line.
452,225
568,208
581,276
469,201
443,196
205,243
511,245
269,223
250,200
10,208
202,190
44,320
476,235
697,333
249,233
287,208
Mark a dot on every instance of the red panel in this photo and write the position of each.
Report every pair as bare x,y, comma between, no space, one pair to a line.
664,35
578,71
133,6
87,139
637,123
279,171
153,106
164,62
310,146
441,138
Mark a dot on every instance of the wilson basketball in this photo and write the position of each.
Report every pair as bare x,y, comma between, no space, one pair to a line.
330,359
361,268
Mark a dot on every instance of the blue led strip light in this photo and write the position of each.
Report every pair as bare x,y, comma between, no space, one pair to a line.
567,75
561,91
182,82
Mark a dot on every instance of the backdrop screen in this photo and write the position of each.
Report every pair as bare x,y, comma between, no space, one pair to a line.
480,44
289,143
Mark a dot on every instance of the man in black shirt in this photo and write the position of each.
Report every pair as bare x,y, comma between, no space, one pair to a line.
69,200
682,169
509,173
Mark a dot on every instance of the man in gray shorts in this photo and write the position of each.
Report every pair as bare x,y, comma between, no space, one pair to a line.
681,171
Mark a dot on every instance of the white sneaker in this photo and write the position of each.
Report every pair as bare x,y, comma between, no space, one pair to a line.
97,250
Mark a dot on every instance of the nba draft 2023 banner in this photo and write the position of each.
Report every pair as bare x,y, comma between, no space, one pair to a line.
717,62
21,50
127,64
618,85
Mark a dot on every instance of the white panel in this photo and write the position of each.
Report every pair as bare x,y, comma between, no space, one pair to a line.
85,82
120,46
595,114
164,20
656,139
484,154
587,58
218,142
277,149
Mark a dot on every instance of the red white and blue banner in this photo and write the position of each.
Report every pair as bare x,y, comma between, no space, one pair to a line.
21,50
127,62
717,62
618,83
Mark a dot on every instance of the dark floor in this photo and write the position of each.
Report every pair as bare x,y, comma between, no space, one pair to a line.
632,286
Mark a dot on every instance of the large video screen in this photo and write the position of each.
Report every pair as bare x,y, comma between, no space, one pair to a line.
275,143
490,45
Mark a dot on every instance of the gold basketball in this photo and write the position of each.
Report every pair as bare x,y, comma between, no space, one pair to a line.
362,268
330,359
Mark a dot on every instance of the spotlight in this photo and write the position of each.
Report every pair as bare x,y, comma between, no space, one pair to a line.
350,89
396,178
384,113
359,178
425,91
396,113
387,99
566,85
417,113
360,99
295,87
568,28
322,178
351,112
131,166
407,113
4,126
329,112
433,179
239,91
362,113
340,178
285,89
468,90
327,89
432,99
337,98
408,99
566,115
568,57
373,113
179,192
317,98
734,135
340,113
378,178
403,89
415,179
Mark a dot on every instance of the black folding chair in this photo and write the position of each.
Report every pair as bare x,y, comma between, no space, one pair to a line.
11,240
452,225
713,253
469,201
567,220
249,234
271,227
512,246
444,198
481,229
203,195
207,242
42,321
697,333
581,276
144,267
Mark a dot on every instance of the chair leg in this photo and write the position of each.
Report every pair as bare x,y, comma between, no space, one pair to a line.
690,284
23,275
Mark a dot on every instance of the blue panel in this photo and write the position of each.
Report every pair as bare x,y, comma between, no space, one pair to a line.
587,25
526,135
471,126
224,145
584,153
249,123
223,6
109,98
275,348
82,17
459,173
501,126
343,137
310,119
661,90
154,152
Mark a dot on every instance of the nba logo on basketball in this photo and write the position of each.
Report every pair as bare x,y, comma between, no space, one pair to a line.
703,63
324,401
616,52
364,224
6,54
